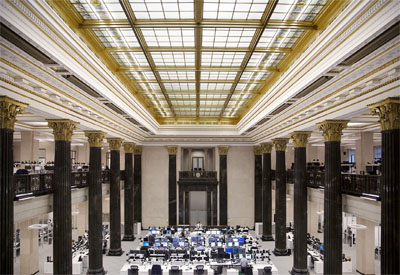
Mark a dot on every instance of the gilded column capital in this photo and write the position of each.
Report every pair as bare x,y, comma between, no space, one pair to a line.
300,138
62,128
129,147
172,150
138,150
115,143
332,129
223,150
95,138
9,109
266,147
388,111
257,150
280,143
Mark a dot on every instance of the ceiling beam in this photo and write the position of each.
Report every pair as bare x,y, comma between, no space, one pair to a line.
203,49
269,9
273,24
192,68
193,80
143,45
198,41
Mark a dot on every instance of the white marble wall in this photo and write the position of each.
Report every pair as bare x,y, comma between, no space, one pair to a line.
240,168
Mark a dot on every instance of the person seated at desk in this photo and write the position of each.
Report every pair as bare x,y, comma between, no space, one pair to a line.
199,225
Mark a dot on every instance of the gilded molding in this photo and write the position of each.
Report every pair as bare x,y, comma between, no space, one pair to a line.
280,143
266,147
388,111
9,109
257,150
223,150
138,150
129,147
172,150
62,128
332,129
300,138
95,138
115,143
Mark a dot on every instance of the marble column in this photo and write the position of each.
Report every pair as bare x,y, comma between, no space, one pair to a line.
280,197
389,115
62,231
365,247
332,132
9,109
128,192
266,149
300,203
137,183
29,247
95,139
172,150
223,185
258,201
115,198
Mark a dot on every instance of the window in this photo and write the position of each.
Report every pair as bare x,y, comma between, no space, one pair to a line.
350,153
198,163
108,159
377,152
73,157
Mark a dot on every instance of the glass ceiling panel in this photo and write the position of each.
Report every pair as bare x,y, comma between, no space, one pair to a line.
227,37
163,9
218,75
279,38
169,37
265,59
177,59
99,9
136,75
180,86
222,59
130,58
295,10
234,10
114,37
215,86
255,75
178,75
247,86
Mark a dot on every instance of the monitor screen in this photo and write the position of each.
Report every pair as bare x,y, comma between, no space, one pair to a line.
179,230
157,244
248,256
194,239
229,244
236,243
241,239
228,250
212,244
235,239
321,247
219,244
181,244
37,168
145,243
235,250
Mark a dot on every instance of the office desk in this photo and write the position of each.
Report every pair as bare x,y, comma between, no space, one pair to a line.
144,269
258,268
319,264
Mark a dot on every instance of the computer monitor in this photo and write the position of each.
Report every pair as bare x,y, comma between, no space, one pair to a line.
219,244
181,244
228,250
145,243
179,229
157,244
37,168
235,239
236,243
241,239
229,244
235,250
248,256
212,244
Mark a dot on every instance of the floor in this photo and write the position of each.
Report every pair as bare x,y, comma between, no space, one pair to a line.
114,264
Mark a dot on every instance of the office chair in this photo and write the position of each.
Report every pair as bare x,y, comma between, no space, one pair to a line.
199,270
134,270
267,270
156,270
174,270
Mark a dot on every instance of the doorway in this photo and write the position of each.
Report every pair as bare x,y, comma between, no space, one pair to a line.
198,207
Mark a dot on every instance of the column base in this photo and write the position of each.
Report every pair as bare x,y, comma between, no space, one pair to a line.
115,252
100,271
267,238
128,238
278,252
296,271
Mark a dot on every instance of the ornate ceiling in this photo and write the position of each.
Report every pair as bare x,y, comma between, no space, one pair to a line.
197,60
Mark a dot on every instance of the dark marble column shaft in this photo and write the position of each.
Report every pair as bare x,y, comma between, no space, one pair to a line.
223,185
172,150
9,109
258,194
388,111
95,203
300,203
280,205
137,194
267,192
332,131
128,192
115,199
6,201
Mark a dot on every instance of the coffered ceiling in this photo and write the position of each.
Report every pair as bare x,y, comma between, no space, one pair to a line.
197,60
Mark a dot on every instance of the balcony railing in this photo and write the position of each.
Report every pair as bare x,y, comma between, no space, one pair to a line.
352,184
197,175
41,184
